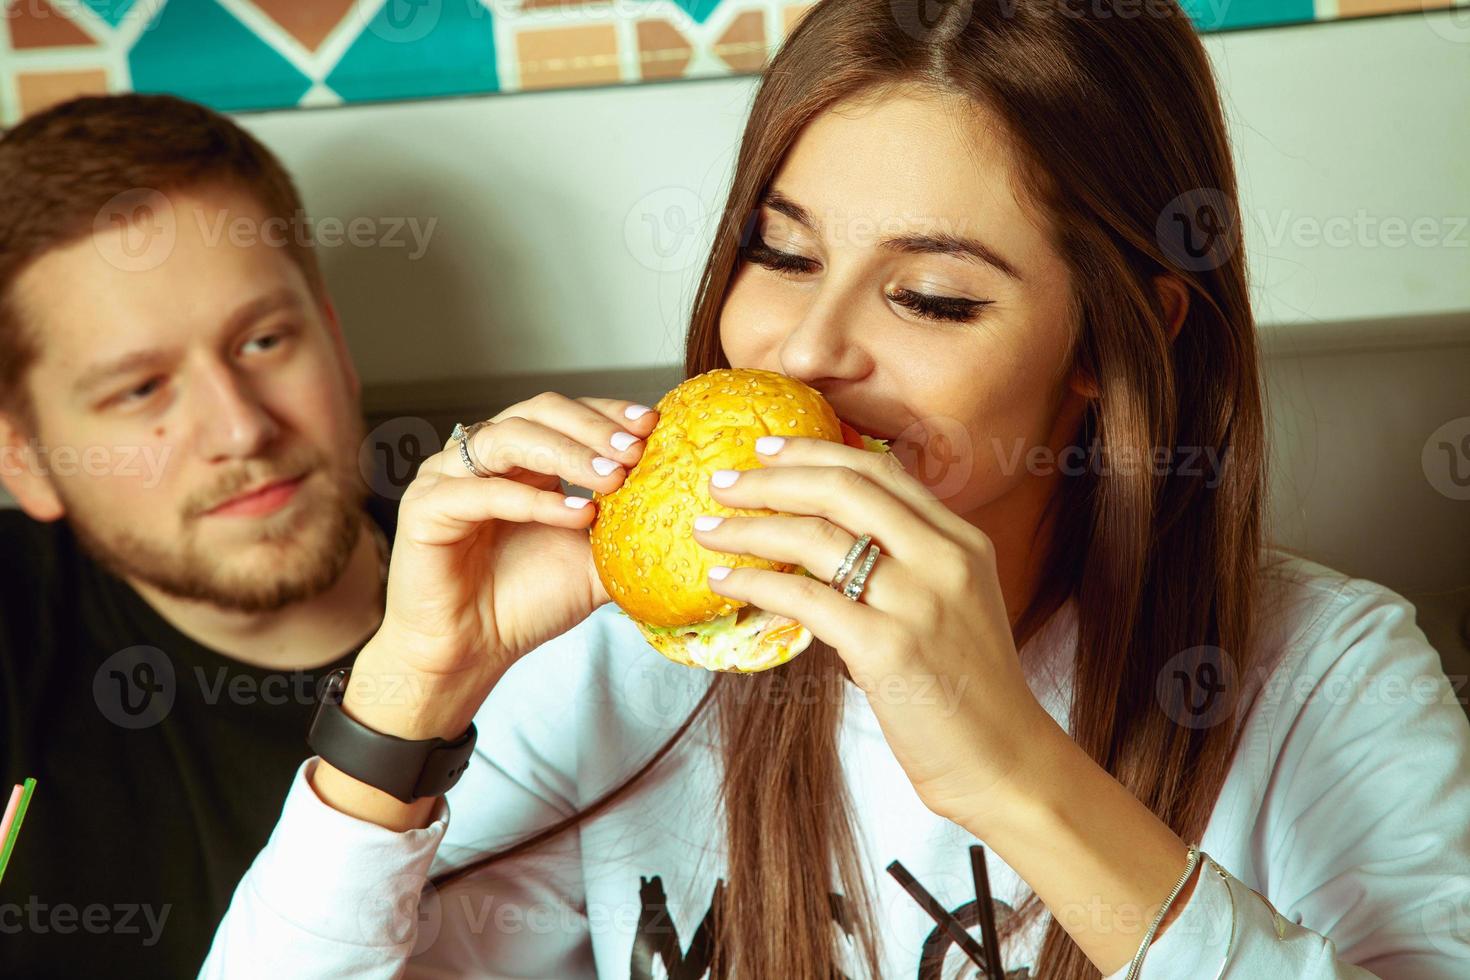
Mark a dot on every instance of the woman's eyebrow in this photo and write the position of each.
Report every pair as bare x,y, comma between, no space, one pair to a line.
944,244
782,204
939,243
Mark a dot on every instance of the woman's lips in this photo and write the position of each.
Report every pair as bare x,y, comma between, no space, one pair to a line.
266,500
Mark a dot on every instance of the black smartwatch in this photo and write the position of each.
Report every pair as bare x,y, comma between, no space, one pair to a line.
405,769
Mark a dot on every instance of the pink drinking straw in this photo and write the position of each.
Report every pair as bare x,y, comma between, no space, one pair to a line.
10,809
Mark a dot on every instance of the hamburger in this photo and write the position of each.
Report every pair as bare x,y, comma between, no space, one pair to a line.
643,545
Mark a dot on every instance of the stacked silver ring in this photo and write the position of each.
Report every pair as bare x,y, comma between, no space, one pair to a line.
854,588
461,435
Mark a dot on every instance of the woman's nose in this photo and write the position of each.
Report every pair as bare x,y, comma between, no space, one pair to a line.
824,342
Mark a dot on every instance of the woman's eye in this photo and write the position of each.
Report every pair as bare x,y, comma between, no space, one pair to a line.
950,308
777,261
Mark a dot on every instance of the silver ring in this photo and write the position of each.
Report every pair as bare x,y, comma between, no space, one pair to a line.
461,434
854,589
849,561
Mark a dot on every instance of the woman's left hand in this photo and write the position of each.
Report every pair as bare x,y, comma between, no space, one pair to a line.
929,641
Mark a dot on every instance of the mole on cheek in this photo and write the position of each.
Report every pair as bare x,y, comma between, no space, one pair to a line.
158,432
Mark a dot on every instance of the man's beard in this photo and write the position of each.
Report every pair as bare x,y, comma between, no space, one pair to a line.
325,535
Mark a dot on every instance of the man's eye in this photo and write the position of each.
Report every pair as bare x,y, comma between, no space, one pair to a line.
142,391
777,261
266,341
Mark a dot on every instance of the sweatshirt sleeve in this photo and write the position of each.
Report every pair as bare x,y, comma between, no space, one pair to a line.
332,895
1362,838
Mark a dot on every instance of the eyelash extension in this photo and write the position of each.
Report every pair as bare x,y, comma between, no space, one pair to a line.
938,307
943,308
764,255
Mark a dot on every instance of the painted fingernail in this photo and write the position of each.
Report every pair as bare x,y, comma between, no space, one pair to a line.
724,479
718,572
769,445
707,523
576,503
622,440
604,466
636,412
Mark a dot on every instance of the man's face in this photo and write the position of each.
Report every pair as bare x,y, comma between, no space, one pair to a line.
166,396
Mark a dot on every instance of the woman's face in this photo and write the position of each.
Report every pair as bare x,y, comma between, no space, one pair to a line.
894,268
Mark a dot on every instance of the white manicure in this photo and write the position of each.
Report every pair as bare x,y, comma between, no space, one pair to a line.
604,466
576,503
707,523
622,440
636,412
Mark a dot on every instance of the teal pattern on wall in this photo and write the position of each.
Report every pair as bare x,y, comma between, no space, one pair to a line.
272,54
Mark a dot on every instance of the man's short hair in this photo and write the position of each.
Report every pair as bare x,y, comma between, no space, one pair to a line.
61,167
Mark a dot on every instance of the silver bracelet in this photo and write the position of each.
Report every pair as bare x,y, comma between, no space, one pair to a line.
1137,963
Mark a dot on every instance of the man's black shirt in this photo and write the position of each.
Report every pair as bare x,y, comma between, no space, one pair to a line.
161,765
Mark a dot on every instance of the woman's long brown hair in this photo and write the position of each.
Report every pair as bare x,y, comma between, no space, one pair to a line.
1113,115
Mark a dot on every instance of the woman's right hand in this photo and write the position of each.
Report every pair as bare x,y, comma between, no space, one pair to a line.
485,569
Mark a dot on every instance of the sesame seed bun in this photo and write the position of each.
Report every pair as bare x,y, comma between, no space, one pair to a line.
642,541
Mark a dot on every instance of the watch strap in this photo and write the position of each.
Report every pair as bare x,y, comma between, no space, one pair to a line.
406,769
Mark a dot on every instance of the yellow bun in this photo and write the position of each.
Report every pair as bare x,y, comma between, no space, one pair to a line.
642,541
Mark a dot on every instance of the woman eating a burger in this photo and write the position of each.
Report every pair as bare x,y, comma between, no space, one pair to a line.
1002,243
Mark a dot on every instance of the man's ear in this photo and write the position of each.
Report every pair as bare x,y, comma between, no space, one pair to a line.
23,472
334,328
1174,298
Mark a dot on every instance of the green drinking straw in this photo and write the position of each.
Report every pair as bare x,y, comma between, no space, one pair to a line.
20,814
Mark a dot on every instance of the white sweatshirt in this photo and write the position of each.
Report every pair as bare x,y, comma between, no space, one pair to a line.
1347,807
